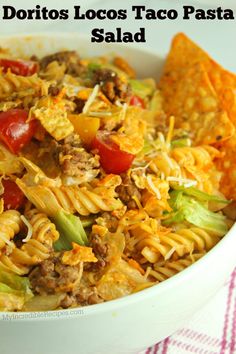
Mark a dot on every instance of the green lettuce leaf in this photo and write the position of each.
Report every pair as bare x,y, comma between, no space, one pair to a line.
71,230
202,196
181,143
142,88
186,208
14,291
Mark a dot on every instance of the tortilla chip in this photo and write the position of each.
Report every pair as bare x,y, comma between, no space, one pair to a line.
183,55
228,98
130,138
53,117
78,254
198,109
227,165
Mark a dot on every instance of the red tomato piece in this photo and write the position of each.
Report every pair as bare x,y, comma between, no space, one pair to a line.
112,159
15,131
19,67
13,197
137,101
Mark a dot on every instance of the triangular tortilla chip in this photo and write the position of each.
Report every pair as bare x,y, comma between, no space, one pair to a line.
183,54
198,109
227,165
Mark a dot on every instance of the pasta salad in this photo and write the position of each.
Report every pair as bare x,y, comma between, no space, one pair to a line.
110,184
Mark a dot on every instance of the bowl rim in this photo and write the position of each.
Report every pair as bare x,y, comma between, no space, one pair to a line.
155,290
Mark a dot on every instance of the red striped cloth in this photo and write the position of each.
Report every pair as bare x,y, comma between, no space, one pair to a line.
211,331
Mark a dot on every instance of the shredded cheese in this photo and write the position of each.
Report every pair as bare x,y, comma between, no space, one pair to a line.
123,111
139,205
29,227
168,160
170,131
99,114
169,254
182,181
153,187
118,104
91,99
161,138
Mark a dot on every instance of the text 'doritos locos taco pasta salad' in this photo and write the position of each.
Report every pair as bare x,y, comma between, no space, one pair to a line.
110,184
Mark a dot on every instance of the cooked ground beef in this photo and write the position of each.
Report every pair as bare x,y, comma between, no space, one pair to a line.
127,190
51,276
53,90
100,250
84,295
70,58
112,86
75,161
79,104
109,221
87,295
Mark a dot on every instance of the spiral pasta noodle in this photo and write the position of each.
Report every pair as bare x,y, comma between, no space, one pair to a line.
20,260
71,199
44,230
170,268
199,156
184,241
83,201
166,165
35,250
185,165
54,71
10,223
13,85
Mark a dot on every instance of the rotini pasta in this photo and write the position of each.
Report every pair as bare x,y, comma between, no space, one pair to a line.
22,259
36,249
184,241
199,156
43,230
19,86
188,166
170,268
54,71
10,223
83,200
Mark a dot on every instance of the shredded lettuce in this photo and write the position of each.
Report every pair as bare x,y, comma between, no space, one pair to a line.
156,102
186,208
202,196
43,302
14,291
93,66
142,88
87,221
71,230
181,142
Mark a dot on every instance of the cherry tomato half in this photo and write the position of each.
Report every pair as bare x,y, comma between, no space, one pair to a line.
13,197
137,101
19,67
112,159
15,132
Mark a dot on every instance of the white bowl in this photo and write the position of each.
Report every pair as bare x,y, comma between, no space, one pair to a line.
135,322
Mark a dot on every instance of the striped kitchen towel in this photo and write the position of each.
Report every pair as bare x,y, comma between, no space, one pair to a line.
211,331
